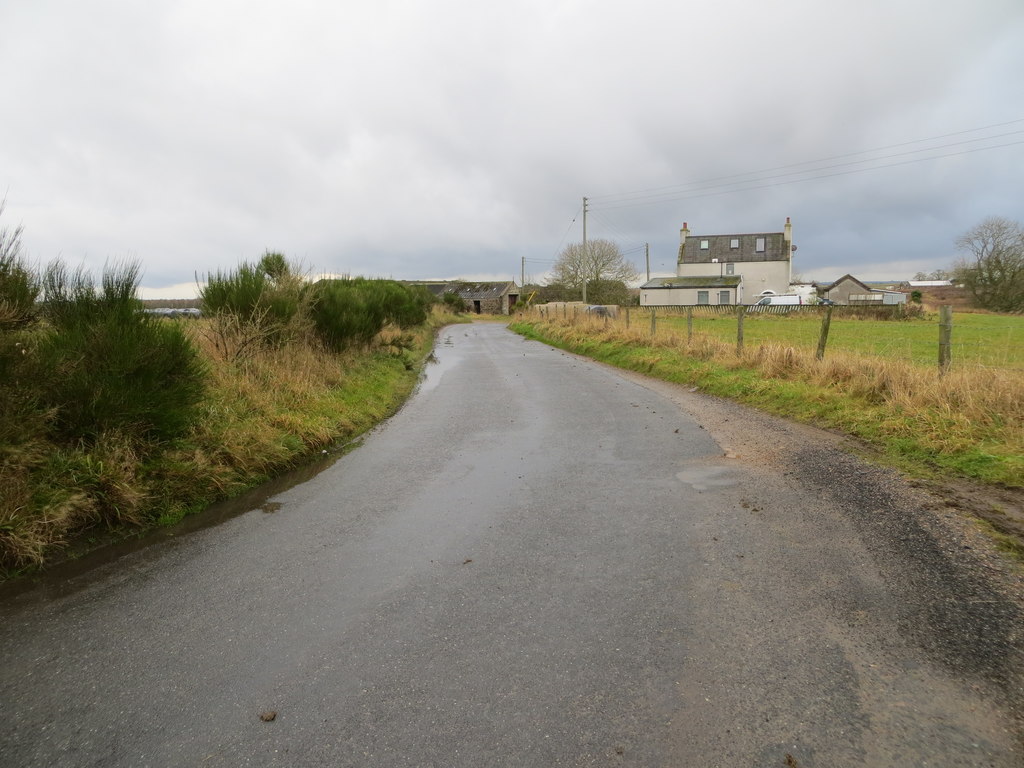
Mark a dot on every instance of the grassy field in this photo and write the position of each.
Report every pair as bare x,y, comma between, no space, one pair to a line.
968,423
978,339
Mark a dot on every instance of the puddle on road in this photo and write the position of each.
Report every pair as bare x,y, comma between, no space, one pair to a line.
444,357
704,478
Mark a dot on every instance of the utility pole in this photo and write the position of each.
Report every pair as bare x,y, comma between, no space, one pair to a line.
647,251
522,274
586,261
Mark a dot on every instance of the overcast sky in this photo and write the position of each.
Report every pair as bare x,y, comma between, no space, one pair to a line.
454,138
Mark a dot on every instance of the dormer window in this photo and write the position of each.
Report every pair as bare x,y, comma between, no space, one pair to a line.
759,245
704,245
734,243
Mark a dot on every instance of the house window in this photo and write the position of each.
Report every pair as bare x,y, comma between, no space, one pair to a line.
759,245
730,269
704,245
734,243
723,297
703,297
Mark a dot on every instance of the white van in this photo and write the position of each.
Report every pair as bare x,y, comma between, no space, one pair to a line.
776,301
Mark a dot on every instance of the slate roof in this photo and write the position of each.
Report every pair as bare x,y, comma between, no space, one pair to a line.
483,291
841,279
712,281
469,291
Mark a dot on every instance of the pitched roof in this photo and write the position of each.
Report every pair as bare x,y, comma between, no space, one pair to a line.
841,279
710,281
468,290
480,291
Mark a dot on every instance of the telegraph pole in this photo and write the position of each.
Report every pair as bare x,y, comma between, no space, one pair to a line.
647,251
522,274
585,264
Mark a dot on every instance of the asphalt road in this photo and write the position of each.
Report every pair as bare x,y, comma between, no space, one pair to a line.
538,562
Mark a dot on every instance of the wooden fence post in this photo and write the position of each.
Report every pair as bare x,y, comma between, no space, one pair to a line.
627,318
945,337
689,324
741,311
654,322
826,321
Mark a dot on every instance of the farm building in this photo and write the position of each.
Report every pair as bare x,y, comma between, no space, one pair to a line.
495,298
848,290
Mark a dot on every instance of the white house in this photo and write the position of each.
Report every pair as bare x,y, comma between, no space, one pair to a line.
725,269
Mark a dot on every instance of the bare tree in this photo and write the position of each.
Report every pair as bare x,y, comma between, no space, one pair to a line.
993,266
599,265
938,274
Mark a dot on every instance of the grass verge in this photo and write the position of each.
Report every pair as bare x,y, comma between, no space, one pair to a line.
262,415
968,423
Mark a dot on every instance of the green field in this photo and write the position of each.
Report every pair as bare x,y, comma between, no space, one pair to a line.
995,341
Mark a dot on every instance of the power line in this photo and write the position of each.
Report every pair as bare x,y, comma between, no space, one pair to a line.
708,191
609,199
614,230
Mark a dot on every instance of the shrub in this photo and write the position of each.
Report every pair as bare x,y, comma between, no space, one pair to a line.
103,364
352,312
404,305
267,302
455,303
344,314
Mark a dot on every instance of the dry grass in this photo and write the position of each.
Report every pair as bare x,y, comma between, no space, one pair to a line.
977,414
266,410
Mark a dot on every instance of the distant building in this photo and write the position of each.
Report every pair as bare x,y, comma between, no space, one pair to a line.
725,269
488,298
927,284
848,290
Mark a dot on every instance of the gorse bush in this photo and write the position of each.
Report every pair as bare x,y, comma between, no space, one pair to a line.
404,305
454,302
268,300
352,312
344,313
110,416
102,364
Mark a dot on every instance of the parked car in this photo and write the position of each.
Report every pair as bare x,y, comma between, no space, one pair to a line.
776,301
597,310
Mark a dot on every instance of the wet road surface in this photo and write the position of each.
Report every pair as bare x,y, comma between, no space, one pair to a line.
538,562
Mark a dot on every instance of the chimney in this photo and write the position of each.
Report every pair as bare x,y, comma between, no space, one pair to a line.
683,233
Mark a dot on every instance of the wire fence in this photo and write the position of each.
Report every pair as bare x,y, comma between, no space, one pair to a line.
899,332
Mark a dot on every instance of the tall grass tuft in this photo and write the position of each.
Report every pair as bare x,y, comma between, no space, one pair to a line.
103,364
19,285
